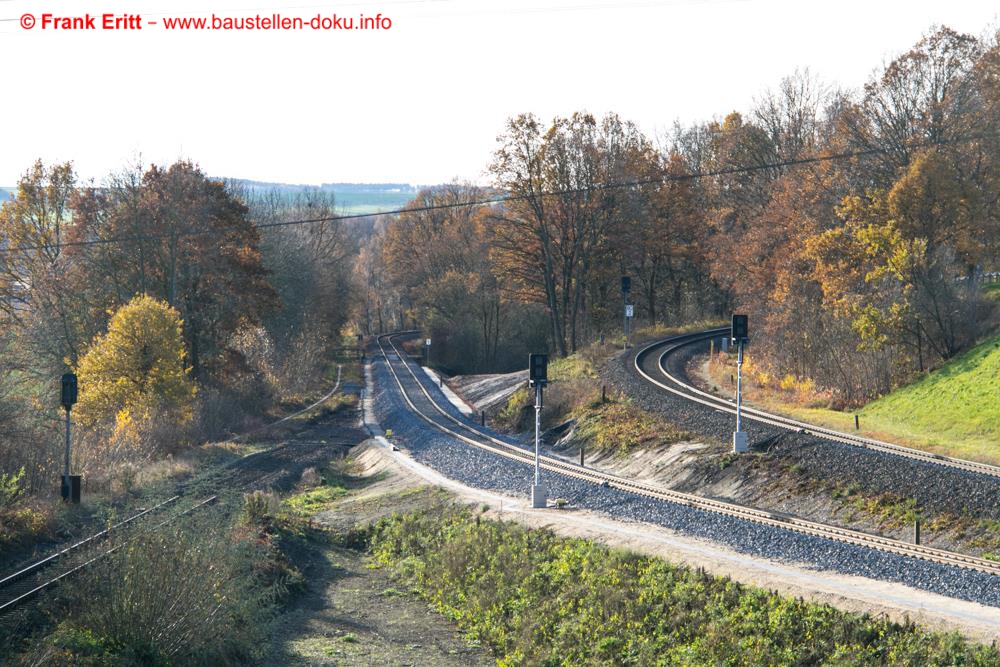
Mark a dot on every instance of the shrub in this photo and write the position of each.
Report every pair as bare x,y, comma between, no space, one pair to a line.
513,415
259,508
11,487
310,478
186,594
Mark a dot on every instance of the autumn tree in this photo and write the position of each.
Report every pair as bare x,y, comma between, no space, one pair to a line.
36,270
137,369
190,243
566,186
372,283
661,242
919,99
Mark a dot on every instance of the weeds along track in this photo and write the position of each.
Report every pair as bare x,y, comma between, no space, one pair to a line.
427,408
30,580
258,470
652,363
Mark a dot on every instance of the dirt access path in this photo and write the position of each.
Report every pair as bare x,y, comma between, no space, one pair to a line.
355,615
352,612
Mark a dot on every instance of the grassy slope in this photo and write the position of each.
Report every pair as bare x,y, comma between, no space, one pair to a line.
956,406
952,411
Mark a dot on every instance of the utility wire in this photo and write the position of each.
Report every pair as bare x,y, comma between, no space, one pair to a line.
664,178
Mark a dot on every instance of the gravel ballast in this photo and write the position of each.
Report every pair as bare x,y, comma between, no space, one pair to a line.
936,488
480,469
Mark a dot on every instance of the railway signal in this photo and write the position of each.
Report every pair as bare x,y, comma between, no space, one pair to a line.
538,377
740,334
70,487
427,352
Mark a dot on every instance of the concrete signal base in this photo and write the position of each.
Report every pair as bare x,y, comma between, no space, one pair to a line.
538,497
740,444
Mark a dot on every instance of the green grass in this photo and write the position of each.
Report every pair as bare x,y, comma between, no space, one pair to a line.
317,499
954,410
571,367
538,599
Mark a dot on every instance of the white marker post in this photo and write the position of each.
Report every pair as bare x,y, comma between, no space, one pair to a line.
629,314
626,288
739,335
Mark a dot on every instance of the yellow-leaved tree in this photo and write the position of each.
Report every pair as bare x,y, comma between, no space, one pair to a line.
136,370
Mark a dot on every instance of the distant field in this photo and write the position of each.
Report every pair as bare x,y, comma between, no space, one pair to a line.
359,203
352,199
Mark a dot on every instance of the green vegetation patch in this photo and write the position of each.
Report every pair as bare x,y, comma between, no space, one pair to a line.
197,591
538,599
512,415
570,368
954,407
331,487
315,500
622,427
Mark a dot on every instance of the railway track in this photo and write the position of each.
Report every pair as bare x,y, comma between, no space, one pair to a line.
33,578
420,401
651,363
30,580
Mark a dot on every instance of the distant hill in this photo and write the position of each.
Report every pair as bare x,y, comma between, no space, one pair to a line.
351,198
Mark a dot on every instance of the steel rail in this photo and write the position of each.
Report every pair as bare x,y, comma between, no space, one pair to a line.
10,604
41,564
36,567
691,393
498,447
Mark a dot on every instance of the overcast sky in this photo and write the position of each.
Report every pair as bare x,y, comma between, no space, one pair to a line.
423,101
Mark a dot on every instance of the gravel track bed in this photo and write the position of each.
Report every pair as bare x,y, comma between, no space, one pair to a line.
481,469
934,487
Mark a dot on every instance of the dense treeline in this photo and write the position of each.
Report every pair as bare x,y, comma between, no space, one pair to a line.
855,227
255,310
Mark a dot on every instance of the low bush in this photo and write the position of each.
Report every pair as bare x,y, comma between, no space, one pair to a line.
11,488
188,593
621,427
514,414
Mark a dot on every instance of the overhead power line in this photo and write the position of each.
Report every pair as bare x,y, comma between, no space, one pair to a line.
499,199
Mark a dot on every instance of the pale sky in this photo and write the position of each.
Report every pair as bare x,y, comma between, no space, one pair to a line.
423,101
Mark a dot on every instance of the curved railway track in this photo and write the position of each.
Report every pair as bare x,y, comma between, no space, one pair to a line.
651,363
420,401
